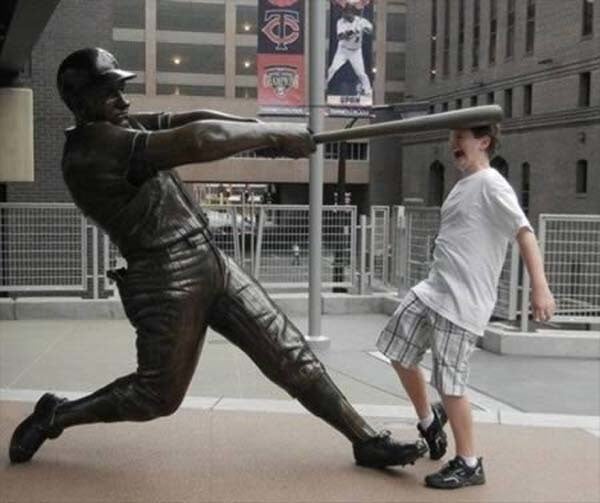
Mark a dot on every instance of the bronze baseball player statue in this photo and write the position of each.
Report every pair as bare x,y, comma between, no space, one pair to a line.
119,170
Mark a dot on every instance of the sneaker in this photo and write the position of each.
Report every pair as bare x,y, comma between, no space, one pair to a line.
456,473
382,451
35,429
434,435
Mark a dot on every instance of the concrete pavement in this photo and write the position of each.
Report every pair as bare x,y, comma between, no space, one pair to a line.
546,409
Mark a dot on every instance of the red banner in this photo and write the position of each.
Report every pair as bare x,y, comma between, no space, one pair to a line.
280,57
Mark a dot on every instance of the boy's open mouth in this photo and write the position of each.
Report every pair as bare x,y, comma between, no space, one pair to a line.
458,153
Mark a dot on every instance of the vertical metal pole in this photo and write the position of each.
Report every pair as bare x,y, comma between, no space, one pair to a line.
316,23
525,301
259,239
95,263
362,282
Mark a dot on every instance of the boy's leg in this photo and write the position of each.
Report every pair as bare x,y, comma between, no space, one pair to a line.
415,385
459,413
452,347
404,340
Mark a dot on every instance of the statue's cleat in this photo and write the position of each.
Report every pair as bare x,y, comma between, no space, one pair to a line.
383,450
35,429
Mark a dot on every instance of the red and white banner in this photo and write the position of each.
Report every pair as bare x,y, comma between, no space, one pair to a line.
280,57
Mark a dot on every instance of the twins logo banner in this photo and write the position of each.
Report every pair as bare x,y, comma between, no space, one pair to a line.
349,74
280,57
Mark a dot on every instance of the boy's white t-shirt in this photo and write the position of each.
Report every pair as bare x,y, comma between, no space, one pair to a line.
479,217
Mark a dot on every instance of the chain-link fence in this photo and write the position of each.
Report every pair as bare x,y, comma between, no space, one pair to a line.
42,248
282,246
570,245
379,263
49,248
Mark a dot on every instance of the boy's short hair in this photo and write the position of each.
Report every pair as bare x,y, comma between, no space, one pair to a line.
491,130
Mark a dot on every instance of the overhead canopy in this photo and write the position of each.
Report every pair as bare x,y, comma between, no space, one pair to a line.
21,24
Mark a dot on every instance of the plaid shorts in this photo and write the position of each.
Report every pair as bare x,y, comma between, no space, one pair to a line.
413,329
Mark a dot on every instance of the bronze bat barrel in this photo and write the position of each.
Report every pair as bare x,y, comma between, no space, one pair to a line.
456,119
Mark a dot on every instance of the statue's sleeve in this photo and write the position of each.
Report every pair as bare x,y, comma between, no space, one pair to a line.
152,121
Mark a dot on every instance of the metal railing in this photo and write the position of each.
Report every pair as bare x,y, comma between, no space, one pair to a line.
282,250
51,247
570,245
379,263
43,248
46,248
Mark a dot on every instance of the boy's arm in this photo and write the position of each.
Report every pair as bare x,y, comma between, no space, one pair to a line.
542,301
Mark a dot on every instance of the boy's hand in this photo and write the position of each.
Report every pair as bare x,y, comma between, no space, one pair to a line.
542,303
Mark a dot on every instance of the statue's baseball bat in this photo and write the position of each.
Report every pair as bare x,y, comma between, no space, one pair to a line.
456,119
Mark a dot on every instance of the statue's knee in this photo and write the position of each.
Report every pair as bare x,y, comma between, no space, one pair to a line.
302,377
160,399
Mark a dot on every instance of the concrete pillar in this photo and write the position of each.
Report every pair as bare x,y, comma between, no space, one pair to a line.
230,43
150,37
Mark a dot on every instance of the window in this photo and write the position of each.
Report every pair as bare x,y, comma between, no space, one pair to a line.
135,88
245,60
501,166
458,104
433,54
527,99
246,19
436,184
493,31
587,25
190,90
245,92
581,177
476,32
190,16
474,101
445,106
525,177
490,98
584,89
446,61
461,36
530,27
355,151
508,108
396,27
431,109
190,58
510,29
395,66
394,97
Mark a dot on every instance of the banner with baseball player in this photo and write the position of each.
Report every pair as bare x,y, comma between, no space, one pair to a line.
350,74
280,57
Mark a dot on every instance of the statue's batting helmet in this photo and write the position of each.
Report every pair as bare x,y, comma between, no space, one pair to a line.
85,69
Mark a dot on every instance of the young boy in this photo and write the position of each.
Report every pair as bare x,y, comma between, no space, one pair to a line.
450,309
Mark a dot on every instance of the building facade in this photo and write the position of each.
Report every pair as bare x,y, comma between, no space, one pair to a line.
191,54
539,60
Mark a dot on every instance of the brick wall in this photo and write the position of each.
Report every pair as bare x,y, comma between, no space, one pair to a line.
74,24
